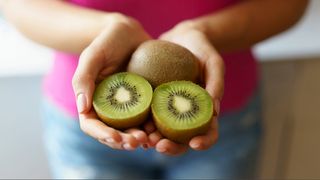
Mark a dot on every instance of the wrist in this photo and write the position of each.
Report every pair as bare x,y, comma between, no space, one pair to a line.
210,28
194,24
129,24
104,22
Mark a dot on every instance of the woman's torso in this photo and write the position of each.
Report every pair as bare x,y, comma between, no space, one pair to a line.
157,17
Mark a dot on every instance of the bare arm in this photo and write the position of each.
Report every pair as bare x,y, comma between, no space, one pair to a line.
237,27
105,41
70,28
250,21
55,23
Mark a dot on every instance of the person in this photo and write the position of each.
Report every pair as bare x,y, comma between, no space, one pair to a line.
95,38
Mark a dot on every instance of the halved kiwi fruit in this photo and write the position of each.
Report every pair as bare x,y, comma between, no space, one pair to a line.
181,110
123,100
162,61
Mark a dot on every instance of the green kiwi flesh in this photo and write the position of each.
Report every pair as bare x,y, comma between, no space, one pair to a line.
123,100
162,61
181,110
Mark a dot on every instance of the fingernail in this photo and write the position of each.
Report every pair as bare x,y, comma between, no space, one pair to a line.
195,145
81,102
162,150
217,106
109,140
127,146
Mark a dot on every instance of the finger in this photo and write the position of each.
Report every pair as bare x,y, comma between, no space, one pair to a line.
129,142
83,86
140,135
216,107
112,145
149,127
154,138
93,61
97,129
214,75
214,71
83,81
168,147
214,79
206,141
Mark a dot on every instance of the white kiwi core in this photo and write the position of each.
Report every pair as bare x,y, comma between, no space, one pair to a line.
181,104
122,95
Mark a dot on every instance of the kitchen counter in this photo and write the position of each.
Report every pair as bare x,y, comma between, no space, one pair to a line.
300,42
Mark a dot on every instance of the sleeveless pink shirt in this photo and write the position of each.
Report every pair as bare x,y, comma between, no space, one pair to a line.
157,17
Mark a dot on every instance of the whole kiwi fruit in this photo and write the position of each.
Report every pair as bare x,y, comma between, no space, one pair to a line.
162,61
123,100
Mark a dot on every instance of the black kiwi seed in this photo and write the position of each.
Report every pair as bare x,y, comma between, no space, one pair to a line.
180,125
126,105
121,113
189,115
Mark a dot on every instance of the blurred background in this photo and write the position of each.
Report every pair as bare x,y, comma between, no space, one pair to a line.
290,66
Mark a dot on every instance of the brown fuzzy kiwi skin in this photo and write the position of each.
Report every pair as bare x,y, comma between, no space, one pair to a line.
162,61
124,123
179,136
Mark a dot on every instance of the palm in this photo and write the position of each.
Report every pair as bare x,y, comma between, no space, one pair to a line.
106,55
212,71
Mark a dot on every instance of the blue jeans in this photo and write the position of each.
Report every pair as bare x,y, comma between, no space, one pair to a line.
72,154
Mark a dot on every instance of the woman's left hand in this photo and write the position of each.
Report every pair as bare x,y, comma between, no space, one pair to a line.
188,35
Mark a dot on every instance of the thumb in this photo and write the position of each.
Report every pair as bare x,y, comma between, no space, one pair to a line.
83,88
214,78
83,81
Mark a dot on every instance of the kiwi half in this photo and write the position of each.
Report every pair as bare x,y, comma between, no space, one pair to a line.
181,110
162,61
123,100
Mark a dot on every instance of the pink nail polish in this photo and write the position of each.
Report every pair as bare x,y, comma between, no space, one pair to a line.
145,146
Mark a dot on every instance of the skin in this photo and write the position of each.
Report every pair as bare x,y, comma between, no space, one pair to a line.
105,40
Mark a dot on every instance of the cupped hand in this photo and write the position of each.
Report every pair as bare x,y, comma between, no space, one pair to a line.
107,54
190,36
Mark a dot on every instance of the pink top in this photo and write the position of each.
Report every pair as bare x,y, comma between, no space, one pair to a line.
157,17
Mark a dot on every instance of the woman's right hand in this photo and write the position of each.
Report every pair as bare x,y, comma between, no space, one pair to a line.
107,54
